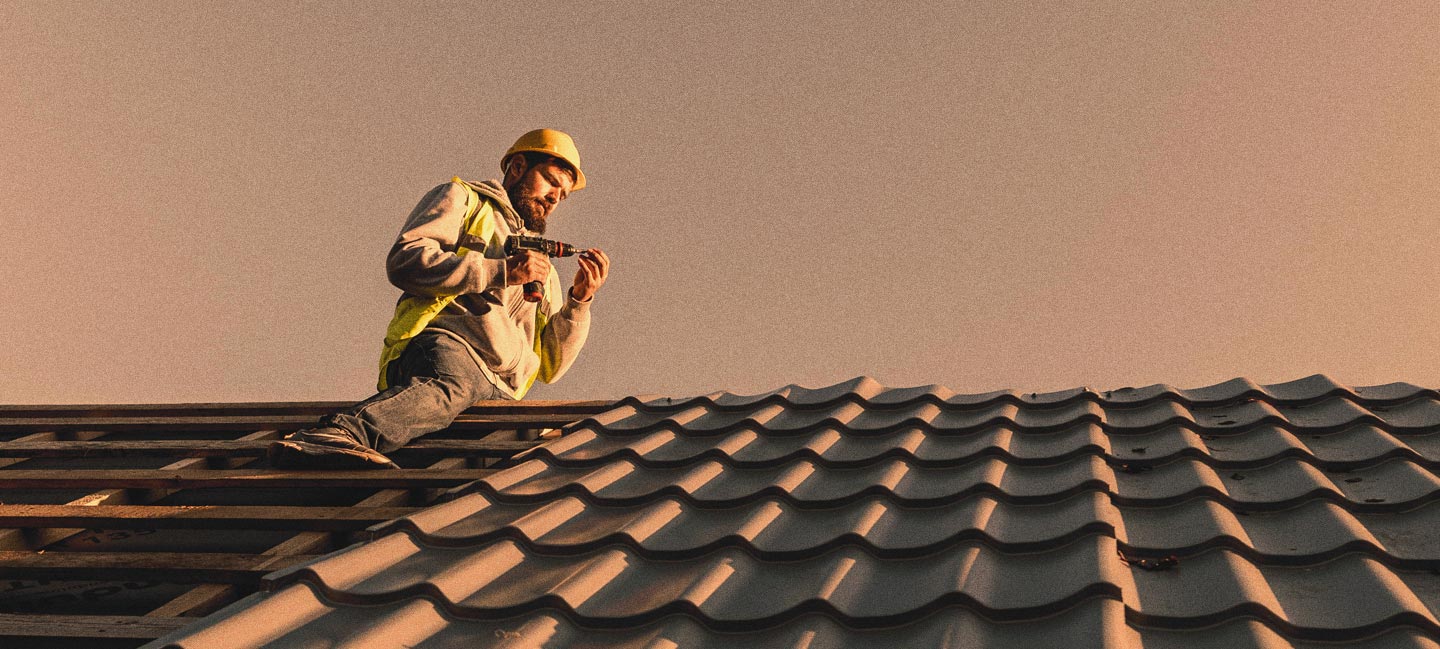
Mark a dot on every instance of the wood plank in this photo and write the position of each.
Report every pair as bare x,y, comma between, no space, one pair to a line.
230,517
174,567
199,478
211,423
270,408
470,447
32,538
47,437
203,600
89,626
234,448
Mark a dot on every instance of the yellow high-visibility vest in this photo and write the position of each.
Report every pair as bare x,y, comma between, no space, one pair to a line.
414,312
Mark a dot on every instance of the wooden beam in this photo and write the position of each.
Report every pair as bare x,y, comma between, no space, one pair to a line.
234,448
201,517
250,478
309,408
202,600
175,567
45,438
32,538
89,626
224,423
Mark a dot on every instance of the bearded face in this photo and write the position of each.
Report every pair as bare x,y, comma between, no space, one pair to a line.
535,191
533,211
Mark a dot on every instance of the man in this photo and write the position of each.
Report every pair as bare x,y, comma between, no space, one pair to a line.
463,330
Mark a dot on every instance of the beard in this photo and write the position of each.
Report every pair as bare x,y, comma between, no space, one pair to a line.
532,212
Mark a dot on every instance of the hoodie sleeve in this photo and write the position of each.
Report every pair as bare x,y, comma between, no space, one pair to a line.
564,333
423,259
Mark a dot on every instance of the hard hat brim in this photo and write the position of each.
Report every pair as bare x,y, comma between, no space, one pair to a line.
579,175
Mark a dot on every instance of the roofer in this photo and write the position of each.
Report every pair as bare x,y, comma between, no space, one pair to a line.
463,330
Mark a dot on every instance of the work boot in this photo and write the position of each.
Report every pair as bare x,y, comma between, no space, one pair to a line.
325,448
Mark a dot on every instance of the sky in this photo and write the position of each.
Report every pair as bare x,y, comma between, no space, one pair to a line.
198,196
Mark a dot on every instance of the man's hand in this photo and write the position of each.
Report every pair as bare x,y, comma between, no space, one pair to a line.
594,268
526,266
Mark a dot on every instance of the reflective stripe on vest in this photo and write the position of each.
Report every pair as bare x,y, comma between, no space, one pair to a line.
414,312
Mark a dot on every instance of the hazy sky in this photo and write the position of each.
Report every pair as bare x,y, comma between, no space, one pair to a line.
199,196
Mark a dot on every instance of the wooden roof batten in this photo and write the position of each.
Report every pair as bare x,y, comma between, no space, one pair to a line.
73,473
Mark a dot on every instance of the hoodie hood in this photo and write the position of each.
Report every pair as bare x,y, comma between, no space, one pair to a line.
494,190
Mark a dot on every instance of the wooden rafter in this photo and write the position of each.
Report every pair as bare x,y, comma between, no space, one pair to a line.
126,498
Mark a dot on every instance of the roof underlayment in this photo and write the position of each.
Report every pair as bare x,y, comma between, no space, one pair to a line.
1236,515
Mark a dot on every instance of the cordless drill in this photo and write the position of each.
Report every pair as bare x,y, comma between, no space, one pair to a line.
550,247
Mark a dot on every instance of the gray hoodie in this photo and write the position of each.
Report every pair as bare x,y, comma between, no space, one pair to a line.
492,319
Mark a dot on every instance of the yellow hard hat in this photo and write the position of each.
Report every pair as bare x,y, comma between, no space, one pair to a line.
551,142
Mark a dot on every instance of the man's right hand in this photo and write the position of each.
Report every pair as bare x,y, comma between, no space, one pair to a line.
526,266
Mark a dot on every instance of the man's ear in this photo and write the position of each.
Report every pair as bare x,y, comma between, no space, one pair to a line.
515,167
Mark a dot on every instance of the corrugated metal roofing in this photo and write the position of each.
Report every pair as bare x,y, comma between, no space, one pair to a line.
1236,515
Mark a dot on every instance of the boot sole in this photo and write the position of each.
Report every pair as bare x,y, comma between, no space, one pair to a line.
286,454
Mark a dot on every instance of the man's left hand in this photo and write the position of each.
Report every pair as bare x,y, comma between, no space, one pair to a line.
594,268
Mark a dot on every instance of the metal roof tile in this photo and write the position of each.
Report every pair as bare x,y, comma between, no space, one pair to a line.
1393,392
1420,415
625,482
776,528
1318,597
1367,443
831,446
1237,515
1310,387
1223,391
423,624
615,583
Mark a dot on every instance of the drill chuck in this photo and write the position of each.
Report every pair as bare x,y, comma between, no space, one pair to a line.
549,247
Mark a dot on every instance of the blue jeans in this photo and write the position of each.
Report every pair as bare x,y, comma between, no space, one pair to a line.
432,382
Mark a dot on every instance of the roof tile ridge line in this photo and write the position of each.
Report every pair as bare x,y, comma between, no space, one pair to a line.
1419,393
949,599
1266,396
672,491
1240,507
484,487
1086,419
1090,484
593,419
587,499
733,541
774,399
1253,556
810,455
1343,392
1361,419
1136,465
1008,422
670,425
980,536
908,456
1000,396
1015,398
1266,420
1267,392
1276,623
628,454
1291,453
1216,543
